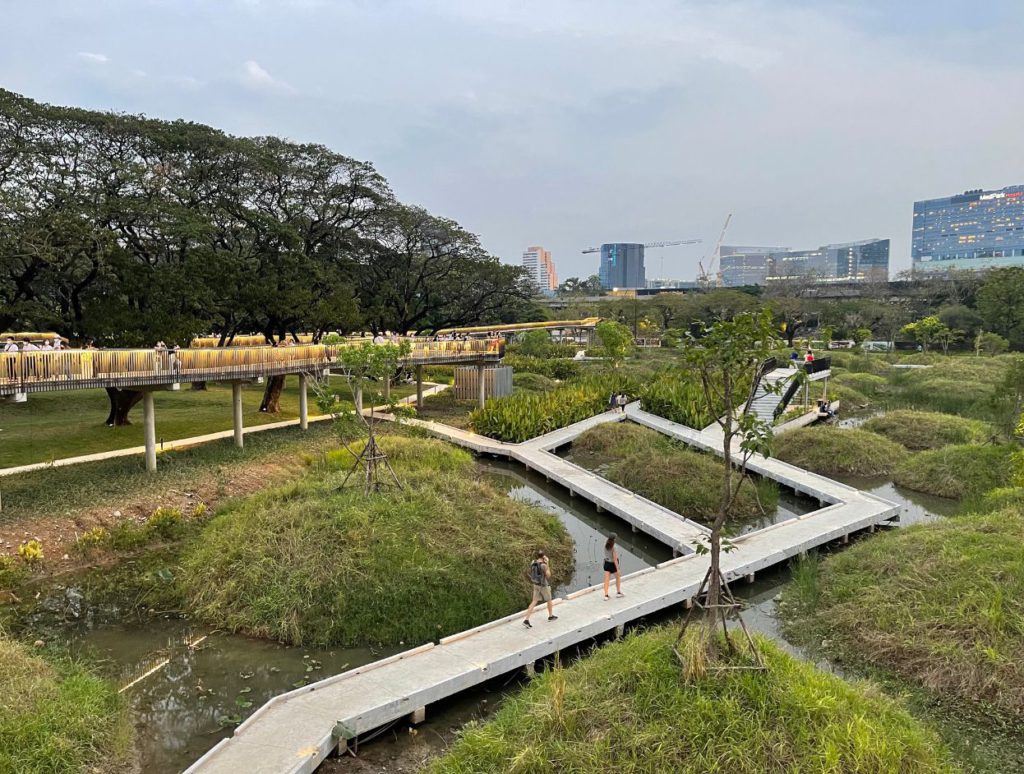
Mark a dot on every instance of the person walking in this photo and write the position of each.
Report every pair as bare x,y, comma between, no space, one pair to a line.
621,401
611,565
613,401
540,577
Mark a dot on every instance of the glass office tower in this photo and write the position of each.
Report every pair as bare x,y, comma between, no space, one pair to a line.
622,265
973,230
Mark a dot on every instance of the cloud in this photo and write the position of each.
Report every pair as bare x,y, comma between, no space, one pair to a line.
257,78
91,56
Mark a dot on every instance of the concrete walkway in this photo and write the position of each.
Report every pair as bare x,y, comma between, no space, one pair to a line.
294,732
184,443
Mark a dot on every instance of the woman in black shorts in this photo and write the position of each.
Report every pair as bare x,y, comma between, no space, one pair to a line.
611,565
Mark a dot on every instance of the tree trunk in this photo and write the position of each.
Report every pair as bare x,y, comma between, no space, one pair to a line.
272,395
198,385
121,402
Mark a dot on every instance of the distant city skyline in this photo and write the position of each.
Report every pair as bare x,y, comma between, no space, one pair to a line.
627,122
538,263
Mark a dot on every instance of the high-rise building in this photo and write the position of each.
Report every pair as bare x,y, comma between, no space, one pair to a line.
537,261
622,265
973,230
745,265
863,261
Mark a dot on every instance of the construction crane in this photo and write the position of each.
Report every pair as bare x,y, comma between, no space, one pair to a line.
654,244
704,276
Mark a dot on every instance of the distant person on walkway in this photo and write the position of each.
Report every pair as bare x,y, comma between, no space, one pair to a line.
794,359
613,401
540,577
611,565
621,401
809,357
58,344
379,339
11,345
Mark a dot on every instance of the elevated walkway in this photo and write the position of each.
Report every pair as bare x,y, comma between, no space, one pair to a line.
294,732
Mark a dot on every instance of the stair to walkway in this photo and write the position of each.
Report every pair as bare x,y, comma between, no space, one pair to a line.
770,393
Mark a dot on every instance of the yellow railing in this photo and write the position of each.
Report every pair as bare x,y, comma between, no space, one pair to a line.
67,369
588,322
206,342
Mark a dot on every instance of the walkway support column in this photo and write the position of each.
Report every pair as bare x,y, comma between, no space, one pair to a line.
236,401
481,373
419,387
303,403
149,428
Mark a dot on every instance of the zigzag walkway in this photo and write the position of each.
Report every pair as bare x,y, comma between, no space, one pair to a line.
294,732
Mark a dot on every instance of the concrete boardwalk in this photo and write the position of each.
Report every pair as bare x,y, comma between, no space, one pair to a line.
294,732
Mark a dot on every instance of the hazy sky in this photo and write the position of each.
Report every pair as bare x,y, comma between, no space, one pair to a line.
574,122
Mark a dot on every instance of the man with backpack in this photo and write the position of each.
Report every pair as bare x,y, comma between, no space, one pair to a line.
540,575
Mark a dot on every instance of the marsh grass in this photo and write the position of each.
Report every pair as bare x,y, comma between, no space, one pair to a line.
834,451
627,708
308,563
667,472
962,471
58,717
918,430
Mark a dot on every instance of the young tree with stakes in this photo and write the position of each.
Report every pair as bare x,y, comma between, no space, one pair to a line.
368,369
725,355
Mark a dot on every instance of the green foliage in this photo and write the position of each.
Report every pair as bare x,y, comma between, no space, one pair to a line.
971,387
836,451
536,343
621,709
940,604
524,381
616,339
166,523
917,430
679,396
31,551
960,471
309,563
926,331
522,416
986,343
1000,303
553,368
652,465
58,717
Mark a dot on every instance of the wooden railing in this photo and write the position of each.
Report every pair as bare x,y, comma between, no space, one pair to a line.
82,368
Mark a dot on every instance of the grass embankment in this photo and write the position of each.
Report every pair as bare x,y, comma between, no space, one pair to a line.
940,605
626,708
835,451
56,425
667,472
959,472
918,430
965,386
58,717
309,563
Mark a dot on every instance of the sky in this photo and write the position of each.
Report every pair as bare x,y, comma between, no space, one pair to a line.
568,123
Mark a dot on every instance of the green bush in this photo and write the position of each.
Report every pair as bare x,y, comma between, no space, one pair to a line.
528,382
835,451
626,708
867,384
1000,498
919,430
960,471
553,368
310,563
58,717
680,398
167,523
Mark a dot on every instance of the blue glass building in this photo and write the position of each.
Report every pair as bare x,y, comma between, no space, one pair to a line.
622,265
973,230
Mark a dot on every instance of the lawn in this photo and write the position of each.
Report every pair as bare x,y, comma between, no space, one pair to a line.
68,424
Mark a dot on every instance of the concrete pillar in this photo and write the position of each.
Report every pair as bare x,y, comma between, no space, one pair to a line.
530,669
418,715
619,631
419,386
149,428
480,374
688,603
750,578
303,403
236,403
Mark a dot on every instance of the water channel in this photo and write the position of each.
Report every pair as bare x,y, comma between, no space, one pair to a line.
189,686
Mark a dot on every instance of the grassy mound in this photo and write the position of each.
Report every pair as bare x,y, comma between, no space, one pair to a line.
999,499
941,604
529,382
869,385
919,430
58,717
309,563
961,471
956,385
662,470
873,363
851,401
626,709
833,450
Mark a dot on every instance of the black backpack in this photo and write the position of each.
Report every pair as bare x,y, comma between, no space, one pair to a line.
537,573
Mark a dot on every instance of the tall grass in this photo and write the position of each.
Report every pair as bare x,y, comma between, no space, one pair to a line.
58,717
307,563
835,451
626,708
960,471
918,430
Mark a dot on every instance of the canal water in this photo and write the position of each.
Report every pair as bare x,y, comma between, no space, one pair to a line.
189,686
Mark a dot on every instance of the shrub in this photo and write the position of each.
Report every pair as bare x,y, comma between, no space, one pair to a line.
127,535
31,551
528,382
94,538
967,470
679,397
168,523
553,368
833,451
927,429
621,708
200,511
309,563
58,717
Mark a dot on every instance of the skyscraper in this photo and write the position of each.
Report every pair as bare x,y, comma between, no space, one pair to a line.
973,230
537,261
622,265
863,261
745,265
